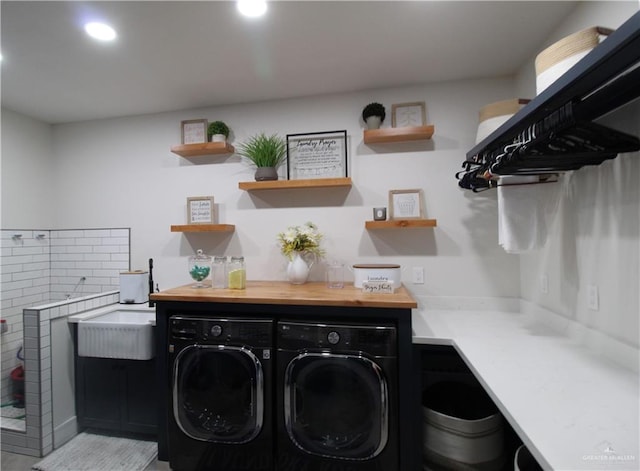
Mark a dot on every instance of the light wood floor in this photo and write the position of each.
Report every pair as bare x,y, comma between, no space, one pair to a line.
15,462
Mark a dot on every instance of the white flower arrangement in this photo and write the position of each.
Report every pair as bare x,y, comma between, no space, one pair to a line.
304,238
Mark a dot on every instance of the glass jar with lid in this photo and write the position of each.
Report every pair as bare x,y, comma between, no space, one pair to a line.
237,274
199,268
219,272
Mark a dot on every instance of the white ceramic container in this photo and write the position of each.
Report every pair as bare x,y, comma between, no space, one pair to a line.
377,272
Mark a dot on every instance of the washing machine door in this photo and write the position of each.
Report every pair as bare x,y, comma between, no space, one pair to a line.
218,393
336,405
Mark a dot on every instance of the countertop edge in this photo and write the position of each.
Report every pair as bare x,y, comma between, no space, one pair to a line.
273,292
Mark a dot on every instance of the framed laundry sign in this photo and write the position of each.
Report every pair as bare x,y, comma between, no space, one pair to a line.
201,210
194,131
317,155
408,114
406,204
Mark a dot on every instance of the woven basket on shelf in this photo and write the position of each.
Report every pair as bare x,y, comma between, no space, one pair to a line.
555,60
493,115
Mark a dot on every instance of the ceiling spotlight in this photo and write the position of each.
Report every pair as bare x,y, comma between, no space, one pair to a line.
252,8
100,31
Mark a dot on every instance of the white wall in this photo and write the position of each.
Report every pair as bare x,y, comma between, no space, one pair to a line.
26,171
596,236
121,173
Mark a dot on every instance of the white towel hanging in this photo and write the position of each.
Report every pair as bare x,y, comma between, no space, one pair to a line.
525,212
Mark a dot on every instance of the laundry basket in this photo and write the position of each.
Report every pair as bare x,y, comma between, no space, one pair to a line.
558,58
524,460
494,115
463,430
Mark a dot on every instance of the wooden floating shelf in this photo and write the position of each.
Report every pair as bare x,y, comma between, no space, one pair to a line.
203,228
384,135
401,223
289,184
204,148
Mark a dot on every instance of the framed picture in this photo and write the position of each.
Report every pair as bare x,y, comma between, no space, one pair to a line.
317,155
408,114
201,210
406,204
194,131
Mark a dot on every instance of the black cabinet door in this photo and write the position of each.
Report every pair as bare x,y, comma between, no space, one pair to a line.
98,390
140,409
118,395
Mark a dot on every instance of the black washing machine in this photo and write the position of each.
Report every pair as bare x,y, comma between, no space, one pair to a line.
337,397
220,403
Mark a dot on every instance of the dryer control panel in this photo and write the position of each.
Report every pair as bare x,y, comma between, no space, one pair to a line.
375,340
221,331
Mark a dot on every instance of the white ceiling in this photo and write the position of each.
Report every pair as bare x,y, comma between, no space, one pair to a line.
180,55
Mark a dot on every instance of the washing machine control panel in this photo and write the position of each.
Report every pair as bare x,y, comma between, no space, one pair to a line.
222,331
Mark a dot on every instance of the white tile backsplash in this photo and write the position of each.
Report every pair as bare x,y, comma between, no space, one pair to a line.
39,270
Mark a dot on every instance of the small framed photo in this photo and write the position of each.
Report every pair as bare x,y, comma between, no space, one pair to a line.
408,114
317,155
194,131
201,210
406,204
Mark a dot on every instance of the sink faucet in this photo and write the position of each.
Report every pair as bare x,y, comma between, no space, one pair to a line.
151,303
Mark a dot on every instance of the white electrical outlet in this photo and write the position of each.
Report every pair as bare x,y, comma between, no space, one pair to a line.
418,275
593,298
544,284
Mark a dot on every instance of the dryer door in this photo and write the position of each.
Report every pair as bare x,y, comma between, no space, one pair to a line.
336,405
218,393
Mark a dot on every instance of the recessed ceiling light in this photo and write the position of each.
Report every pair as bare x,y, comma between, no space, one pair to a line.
252,8
100,31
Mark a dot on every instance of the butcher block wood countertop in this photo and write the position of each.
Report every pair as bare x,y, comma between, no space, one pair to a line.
281,292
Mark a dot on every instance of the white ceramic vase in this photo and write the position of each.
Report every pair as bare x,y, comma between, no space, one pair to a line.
299,267
373,122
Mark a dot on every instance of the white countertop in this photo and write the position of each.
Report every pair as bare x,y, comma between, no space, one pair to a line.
571,406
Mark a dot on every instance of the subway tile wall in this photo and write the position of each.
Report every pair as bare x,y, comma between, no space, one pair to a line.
26,271
38,438
42,266
87,261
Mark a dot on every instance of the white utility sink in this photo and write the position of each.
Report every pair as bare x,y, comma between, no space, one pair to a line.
126,334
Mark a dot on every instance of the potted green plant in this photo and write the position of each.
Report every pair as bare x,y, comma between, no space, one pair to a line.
373,114
267,153
218,131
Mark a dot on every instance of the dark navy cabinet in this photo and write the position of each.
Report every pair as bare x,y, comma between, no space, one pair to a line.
117,395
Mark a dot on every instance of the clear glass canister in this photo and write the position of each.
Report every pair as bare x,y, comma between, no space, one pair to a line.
199,267
219,272
237,274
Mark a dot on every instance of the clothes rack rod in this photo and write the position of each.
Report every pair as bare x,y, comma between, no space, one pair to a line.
607,99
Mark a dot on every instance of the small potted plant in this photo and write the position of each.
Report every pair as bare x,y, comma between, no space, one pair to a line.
373,114
218,131
267,153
